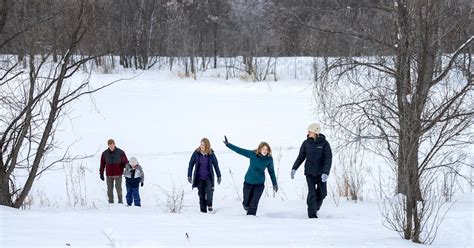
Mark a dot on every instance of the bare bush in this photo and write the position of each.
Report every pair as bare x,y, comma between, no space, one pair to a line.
76,187
174,199
235,186
350,174
432,209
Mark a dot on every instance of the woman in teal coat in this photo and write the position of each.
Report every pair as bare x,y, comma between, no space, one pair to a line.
254,184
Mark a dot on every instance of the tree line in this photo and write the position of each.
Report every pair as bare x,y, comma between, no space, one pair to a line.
140,31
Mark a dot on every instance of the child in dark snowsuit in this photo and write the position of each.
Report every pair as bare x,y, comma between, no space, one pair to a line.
134,177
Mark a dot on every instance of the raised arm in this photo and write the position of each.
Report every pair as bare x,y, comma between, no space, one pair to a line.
241,151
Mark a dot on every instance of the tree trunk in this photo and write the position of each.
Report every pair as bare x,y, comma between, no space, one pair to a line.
5,197
408,182
402,81
214,44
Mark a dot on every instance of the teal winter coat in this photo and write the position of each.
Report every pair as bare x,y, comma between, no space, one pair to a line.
258,163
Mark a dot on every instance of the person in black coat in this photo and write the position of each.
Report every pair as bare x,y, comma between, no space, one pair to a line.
318,155
205,163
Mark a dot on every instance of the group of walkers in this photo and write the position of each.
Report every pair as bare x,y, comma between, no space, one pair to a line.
204,168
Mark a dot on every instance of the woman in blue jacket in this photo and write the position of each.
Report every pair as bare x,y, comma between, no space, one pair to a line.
254,184
205,163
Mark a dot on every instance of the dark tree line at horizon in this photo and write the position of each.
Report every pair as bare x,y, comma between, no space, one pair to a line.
139,31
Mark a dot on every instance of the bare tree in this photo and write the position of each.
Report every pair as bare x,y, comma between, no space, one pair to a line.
417,111
34,102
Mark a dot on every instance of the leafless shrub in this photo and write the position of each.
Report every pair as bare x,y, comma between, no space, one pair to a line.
174,199
335,196
277,165
76,187
235,186
431,213
350,174
29,202
448,186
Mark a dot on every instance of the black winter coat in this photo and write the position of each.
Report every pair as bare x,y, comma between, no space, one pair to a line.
318,155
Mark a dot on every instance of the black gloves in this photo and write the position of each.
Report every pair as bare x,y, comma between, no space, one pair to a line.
142,184
225,140
102,177
219,180
275,188
190,180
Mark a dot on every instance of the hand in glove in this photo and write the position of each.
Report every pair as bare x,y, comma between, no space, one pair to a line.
102,177
324,178
293,172
275,188
219,180
225,140
190,180
142,184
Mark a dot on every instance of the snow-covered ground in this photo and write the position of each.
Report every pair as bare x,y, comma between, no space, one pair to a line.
160,119
278,224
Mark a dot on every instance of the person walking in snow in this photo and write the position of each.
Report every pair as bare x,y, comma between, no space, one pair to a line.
113,161
317,153
254,183
205,164
134,177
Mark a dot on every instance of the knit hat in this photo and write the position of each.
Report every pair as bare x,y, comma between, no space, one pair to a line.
133,161
314,127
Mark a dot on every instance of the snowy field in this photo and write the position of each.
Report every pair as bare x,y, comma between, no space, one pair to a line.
160,119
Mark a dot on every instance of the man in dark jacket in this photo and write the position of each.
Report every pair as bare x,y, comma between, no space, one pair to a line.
113,161
317,153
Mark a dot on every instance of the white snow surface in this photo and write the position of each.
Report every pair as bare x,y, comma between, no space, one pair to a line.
160,119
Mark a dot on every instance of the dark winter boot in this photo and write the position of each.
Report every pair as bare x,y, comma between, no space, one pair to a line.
315,216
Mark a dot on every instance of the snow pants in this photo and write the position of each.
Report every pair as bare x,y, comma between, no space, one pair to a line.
252,194
317,191
206,193
133,195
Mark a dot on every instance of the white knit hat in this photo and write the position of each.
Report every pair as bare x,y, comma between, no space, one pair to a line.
133,161
314,127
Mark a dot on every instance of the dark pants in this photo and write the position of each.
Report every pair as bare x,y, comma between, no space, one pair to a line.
205,192
317,191
133,195
252,194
